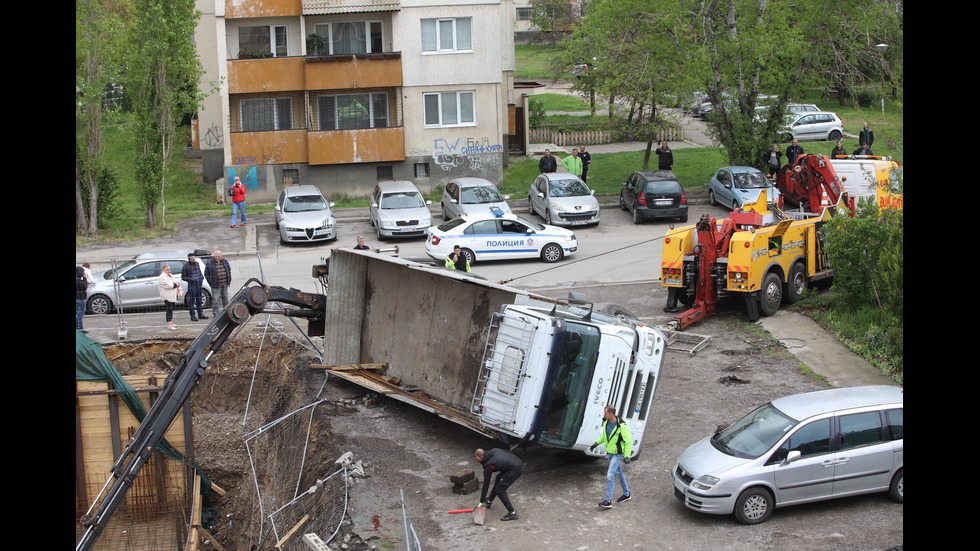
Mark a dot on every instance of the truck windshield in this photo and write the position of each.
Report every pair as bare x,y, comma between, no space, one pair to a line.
571,391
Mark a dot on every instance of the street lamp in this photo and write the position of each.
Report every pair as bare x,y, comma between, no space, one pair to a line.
881,51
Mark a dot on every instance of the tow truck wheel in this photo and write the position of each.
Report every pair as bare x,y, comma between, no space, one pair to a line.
771,295
797,283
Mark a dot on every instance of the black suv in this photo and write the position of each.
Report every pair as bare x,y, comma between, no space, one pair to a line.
652,194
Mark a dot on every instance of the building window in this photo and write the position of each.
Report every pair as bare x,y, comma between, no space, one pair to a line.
263,41
290,176
264,114
447,35
348,37
421,170
385,174
450,109
524,14
353,111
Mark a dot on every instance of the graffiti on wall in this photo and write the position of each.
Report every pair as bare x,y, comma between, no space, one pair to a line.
268,155
473,153
250,179
213,136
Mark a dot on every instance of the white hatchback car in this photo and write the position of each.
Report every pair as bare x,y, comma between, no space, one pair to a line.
471,196
499,237
819,126
399,210
303,216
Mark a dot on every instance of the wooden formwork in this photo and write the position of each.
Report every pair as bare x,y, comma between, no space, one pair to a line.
159,495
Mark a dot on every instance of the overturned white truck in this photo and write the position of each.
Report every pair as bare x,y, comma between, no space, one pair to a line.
498,360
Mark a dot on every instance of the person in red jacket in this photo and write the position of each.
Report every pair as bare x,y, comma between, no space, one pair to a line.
237,192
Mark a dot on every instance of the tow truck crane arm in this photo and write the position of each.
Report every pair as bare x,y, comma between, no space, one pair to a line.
250,300
810,181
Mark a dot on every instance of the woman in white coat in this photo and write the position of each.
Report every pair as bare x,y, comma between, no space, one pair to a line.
170,291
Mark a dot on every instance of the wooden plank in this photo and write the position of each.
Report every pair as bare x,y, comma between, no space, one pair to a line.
292,531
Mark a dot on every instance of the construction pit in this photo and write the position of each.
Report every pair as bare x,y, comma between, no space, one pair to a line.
260,426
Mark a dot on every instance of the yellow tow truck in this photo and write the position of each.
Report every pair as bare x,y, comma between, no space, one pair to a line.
765,255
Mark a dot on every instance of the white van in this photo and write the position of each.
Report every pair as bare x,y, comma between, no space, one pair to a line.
871,177
797,449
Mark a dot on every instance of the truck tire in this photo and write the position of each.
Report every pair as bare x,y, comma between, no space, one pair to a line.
771,294
619,312
796,284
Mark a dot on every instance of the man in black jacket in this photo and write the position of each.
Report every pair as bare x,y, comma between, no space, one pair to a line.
547,163
509,468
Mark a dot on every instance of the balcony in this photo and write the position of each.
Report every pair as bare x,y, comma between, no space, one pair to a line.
334,72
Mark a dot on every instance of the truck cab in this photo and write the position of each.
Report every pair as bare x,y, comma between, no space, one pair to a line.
593,360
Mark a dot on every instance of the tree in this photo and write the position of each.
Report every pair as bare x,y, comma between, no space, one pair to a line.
164,77
635,57
98,33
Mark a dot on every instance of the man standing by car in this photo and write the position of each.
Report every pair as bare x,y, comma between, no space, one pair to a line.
619,446
195,282
586,159
509,468
456,260
547,163
665,157
218,273
573,163
793,151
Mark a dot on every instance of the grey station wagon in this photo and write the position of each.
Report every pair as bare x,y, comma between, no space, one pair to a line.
797,449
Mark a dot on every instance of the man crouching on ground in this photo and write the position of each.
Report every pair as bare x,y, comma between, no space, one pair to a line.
509,468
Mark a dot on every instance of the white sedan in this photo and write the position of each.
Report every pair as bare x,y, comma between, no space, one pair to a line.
499,236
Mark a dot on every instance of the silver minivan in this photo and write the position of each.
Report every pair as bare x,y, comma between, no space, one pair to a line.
797,449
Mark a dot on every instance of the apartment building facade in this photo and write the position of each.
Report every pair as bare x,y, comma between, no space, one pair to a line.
342,94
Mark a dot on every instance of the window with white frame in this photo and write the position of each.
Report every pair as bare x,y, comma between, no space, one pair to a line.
349,37
447,35
449,108
264,41
353,111
262,114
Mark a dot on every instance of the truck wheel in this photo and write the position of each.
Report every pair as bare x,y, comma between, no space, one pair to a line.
771,294
619,312
552,253
797,283
754,506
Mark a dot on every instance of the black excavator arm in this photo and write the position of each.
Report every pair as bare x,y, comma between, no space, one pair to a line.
252,299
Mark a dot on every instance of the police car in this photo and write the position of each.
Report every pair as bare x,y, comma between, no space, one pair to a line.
498,236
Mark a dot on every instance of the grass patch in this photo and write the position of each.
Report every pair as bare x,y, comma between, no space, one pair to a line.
562,102
693,167
534,61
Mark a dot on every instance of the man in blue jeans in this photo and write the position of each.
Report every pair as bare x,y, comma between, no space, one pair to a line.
619,446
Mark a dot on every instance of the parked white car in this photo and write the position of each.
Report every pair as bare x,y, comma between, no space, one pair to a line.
821,126
399,210
303,216
471,196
